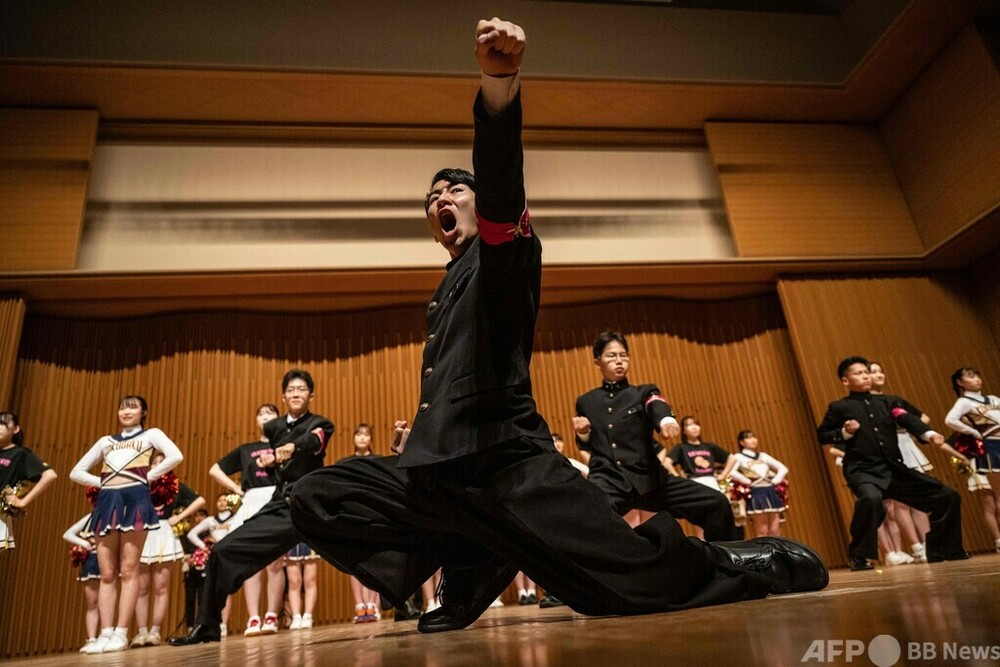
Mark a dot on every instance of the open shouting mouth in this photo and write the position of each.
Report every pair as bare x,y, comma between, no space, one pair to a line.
447,220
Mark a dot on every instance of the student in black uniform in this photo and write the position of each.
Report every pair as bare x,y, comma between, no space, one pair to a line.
615,425
194,576
863,426
257,485
299,440
18,464
479,488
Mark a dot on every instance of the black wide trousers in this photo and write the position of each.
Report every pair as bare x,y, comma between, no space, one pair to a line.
242,553
522,501
681,497
923,492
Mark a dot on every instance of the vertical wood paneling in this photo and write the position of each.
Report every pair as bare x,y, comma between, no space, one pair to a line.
810,190
920,328
944,139
984,277
12,311
729,363
43,186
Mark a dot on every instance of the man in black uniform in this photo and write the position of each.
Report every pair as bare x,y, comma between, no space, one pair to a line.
615,425
863,425
299,441
479,489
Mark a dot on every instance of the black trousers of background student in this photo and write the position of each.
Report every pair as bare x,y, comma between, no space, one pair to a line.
245,551
942,504
522,503
684,499
194,580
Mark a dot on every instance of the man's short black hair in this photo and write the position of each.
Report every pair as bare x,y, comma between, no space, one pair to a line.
298,374
607,337
453,176
847,363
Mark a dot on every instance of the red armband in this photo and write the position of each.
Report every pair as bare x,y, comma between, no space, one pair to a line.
654,397
321,436
495,233
898,412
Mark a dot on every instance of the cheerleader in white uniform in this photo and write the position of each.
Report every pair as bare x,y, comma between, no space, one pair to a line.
977,415
162,549
123,513
217,526
257,485
911,524
17,464
89,575
761,472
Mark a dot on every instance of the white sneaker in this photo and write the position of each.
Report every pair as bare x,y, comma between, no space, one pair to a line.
141,639
296,622
87,648
253,627
223,631
919,552
894,558
270,624
496,603
153,639
307,621
907,558
98,646
118,641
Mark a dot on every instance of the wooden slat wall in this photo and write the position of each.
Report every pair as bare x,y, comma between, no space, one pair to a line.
810,191
43,186
944,139
920,328
11,320
729,363
983,278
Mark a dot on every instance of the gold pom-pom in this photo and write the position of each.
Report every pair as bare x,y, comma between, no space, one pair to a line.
19,490
233,501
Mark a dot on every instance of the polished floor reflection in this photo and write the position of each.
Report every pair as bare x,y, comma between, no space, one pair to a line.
946,613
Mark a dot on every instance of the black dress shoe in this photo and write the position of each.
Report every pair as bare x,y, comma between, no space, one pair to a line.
937,558
199,635
409,612
858,564
549,601
466,592
788,566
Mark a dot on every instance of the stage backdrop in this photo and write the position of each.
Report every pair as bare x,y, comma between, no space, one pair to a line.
729,363
921,328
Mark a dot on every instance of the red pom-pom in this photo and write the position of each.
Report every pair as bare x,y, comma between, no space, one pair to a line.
968,446
92,493
165,489
781,488
739,491
78,554
199,558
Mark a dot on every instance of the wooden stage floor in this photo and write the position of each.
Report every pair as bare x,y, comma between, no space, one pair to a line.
945,613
